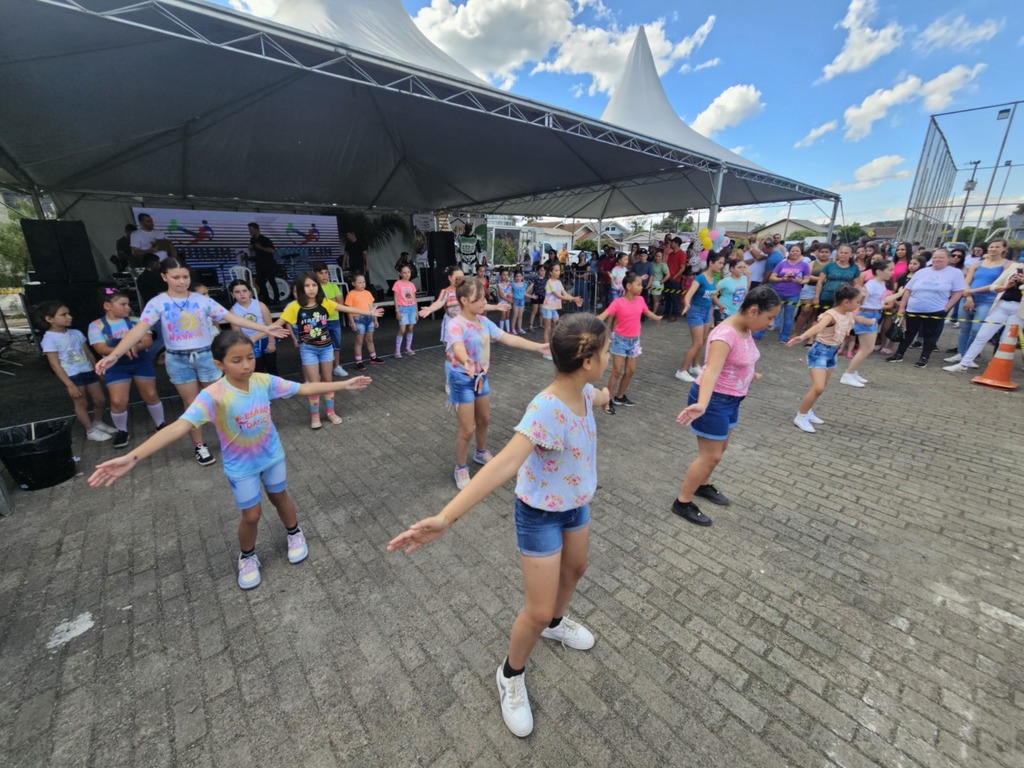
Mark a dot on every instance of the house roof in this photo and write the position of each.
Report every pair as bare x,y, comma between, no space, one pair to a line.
801,223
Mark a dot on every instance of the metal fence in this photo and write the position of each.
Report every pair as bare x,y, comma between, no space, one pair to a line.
928,209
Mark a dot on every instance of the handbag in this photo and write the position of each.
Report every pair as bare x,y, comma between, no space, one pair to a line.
895,332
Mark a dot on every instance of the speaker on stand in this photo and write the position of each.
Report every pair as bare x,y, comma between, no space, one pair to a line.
440,256
60,251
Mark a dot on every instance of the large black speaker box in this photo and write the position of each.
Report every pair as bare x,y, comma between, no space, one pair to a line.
82,299
440,256
60,251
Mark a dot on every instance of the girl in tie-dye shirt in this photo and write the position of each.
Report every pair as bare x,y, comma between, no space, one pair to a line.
553,454
239,406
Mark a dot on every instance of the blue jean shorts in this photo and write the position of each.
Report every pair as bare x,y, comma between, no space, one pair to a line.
720,418
247,489
311,355
407,315
364,323
822,356
698,315
127,369
625,346
334,328
519,303
464,388
549,314
84,379
187,366
873,328
539,533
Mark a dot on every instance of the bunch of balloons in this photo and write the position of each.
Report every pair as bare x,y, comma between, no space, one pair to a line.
712,240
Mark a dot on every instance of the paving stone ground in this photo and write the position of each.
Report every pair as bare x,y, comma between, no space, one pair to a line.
859,604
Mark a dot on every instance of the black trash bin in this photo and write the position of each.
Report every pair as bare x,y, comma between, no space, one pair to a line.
38,455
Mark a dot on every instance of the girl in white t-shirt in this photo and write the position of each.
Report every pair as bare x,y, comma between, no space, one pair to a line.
713,405
553,454
183,317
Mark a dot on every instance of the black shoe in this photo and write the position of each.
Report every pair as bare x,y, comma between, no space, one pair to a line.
953,351
689,511
160,426
610,408
921,362
623,401
203,456
713,495
121,439
917,345
896,358
360,366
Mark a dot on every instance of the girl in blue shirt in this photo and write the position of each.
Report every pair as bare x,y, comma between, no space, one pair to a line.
518,301
697,308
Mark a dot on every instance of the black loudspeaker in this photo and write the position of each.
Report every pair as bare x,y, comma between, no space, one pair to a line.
60,251
440,256
83,299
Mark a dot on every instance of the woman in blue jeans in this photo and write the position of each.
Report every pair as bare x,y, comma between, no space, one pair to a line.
978,299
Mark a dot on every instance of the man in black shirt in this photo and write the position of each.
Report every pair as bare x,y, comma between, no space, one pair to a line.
123,250
356,258
149,282
263,251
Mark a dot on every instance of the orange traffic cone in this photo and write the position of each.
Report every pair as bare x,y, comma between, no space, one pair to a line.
998,372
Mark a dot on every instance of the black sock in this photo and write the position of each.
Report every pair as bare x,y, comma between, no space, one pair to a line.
250,553
293,531
509,672
555,622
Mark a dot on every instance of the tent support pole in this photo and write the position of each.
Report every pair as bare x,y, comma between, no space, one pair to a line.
717,200
37,203
832,221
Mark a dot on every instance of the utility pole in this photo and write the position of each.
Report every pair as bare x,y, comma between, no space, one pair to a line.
968,188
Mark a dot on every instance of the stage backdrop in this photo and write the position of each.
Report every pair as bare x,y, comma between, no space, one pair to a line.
220,239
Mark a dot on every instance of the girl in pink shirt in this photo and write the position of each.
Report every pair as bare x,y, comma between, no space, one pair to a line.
627,311
713,405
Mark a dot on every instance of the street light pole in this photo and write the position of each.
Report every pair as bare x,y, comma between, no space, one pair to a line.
1009,167
1007,115
969,186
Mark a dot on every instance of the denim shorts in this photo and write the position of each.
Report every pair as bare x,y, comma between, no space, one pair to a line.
698,315
310,355
84,379
720,418
333,328
539,533
822,356
873,328
549,314
625,346
464,388
187,366
127,369
518,302
407,315
247,489
364,323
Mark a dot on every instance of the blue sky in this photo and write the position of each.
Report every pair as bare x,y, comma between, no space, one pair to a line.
836,94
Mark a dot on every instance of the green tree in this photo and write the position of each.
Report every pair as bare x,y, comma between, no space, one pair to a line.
803,234
375,231
686,225
638,225
586,244
851,232
1019,210
504,251
14,261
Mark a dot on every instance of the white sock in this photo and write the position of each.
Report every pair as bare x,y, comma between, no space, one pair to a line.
156,412
120,420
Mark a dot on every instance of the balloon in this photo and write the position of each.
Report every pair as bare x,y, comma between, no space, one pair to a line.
726,242
705,239
714,234
704,255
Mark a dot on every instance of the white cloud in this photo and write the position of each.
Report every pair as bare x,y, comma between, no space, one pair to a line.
863,45
859,119
872,174
938,92
731,107
738,150
703,65
949,34
262,8
816,133
601,53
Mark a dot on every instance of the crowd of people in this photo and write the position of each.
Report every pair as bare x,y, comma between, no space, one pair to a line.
836,299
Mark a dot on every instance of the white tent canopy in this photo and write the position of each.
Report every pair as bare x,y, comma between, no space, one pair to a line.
183,102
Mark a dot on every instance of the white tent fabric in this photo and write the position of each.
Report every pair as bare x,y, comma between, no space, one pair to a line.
639,103
180,102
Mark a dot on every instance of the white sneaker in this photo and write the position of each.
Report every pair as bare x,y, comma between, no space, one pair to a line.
461,477
860,378
851,380
340,372
97,435
685,376
954,359
570,635
297,549
248,572
695,370
105,427
547,357
971,365
955,368
515,703
804,423
813,418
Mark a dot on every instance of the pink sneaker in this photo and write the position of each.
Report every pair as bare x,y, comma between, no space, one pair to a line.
398,355
409,352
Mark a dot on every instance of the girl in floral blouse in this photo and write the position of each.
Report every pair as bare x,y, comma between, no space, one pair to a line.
553,456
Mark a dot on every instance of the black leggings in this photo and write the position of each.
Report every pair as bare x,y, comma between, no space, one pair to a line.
929,325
